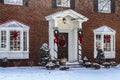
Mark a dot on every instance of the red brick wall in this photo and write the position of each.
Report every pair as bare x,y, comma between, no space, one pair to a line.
34,14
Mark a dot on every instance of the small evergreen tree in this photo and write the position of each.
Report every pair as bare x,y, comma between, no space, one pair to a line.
100,58
44,54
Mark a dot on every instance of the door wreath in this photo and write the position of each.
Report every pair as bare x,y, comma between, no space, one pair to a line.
62,41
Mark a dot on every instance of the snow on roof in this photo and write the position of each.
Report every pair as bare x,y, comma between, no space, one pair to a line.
13,24
65,13
104,29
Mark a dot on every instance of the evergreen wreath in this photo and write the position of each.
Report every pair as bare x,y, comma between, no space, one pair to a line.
15,34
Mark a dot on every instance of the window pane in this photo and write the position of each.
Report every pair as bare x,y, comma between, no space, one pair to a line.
63,3
14,2
14,40
3,39
104,6
98,41
25,41
66,3
59,2
107,43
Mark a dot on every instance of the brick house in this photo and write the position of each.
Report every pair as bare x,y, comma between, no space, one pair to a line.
83,25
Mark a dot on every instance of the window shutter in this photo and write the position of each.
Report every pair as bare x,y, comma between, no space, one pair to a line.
112,6
96,5
54,4
25,2
1,1
72,4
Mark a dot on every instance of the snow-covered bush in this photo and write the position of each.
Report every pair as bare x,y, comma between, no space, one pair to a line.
44,54
106,64
96,66
113,63
64,68
4,62
50,65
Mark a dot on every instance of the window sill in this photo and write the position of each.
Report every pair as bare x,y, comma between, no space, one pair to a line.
14,55
109,55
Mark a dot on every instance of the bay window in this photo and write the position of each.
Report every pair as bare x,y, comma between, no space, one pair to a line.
14,42
104,38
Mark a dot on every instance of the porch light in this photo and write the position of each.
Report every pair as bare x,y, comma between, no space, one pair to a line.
63,20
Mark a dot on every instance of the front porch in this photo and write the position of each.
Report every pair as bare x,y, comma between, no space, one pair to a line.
69,22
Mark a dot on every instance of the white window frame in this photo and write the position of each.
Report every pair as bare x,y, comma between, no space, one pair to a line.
3,40
14,2
15,54
108,54
107,6
64,3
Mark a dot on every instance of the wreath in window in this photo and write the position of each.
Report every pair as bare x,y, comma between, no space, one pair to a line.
15,34
107,38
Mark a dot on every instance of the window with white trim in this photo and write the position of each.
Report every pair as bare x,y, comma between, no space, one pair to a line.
104,38
14,2
104,6
3,39
63,3
14,41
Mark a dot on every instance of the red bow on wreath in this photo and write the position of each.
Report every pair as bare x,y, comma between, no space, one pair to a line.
14,34
107,38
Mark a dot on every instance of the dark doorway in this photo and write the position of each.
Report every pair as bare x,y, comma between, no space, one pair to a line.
63,46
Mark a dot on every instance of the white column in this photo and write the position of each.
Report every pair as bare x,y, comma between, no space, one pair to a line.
95,52
21,40
27,40
76,44
8,40
51,39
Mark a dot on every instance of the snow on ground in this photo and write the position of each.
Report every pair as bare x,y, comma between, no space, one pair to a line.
40,73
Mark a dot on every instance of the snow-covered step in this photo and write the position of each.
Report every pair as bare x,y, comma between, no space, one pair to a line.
73,64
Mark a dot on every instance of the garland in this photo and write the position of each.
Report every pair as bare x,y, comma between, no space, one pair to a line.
56,33
80,35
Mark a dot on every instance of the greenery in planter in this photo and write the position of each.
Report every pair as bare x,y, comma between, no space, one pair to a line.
63,61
